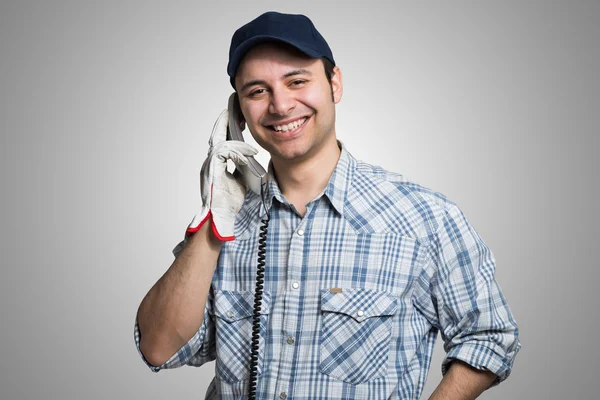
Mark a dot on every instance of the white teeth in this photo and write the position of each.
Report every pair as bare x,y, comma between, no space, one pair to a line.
290,126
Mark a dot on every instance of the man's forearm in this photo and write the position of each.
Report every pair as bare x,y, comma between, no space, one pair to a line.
462,382
173,309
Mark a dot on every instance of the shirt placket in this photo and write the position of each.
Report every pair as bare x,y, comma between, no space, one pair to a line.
294,292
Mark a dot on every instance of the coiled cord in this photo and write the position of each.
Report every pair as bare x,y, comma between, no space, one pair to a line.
258,294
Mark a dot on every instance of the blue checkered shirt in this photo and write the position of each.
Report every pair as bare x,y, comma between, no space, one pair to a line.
356,292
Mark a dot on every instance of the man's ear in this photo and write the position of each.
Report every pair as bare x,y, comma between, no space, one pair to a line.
337,87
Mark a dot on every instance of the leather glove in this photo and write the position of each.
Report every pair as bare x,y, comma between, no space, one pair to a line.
221,192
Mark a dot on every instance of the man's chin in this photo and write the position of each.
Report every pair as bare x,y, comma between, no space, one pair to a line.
288,154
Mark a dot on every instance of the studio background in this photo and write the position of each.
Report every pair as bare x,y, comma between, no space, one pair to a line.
106,109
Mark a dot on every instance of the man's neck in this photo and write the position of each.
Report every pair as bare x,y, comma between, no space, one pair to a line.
302,181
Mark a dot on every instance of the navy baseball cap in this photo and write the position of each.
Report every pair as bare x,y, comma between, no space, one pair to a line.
294,29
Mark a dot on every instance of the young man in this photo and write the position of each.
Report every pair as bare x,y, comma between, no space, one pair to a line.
363,267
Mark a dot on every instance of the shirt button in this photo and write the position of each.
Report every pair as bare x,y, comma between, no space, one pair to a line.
230,314
360,313
290,340
282,395
300,232
295,285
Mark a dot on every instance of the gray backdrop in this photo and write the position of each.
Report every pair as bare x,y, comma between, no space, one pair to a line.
105,112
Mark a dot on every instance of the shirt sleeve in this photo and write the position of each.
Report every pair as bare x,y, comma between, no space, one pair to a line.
464,301
199,349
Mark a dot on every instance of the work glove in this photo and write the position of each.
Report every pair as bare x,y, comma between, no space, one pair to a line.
222,193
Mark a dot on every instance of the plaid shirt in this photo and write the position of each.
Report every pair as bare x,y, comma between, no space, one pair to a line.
355,294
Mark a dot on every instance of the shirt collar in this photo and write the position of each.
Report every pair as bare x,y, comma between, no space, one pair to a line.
335,190
339,183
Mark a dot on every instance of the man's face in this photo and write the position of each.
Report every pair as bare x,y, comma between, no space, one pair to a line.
287,102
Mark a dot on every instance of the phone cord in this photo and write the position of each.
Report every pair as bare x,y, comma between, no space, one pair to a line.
258,292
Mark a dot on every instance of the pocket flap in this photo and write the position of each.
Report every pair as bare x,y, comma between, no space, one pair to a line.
234,305
359,304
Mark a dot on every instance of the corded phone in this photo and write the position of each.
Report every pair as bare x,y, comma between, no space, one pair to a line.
255,178
254,175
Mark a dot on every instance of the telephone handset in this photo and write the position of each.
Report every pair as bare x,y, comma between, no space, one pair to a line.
253,174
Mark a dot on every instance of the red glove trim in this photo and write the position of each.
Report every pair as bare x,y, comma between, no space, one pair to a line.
191,231
221,238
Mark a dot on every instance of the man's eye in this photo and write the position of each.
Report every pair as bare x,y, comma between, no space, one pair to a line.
298,82
257,92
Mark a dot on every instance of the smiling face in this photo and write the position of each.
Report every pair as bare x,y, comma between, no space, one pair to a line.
287,102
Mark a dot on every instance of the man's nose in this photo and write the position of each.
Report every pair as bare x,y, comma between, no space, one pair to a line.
282,102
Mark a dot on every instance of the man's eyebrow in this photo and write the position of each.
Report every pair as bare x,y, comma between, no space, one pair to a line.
295,72
300,71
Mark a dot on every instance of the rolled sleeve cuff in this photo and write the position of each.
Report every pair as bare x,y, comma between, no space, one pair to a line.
183,355
481,357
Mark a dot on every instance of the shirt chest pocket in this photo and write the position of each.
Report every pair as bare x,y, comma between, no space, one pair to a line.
356,329
233,322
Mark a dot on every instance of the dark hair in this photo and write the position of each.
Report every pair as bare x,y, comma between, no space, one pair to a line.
328,67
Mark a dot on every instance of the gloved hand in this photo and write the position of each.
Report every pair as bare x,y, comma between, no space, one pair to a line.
221,192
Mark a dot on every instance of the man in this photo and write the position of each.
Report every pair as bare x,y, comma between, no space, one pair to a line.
363,267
